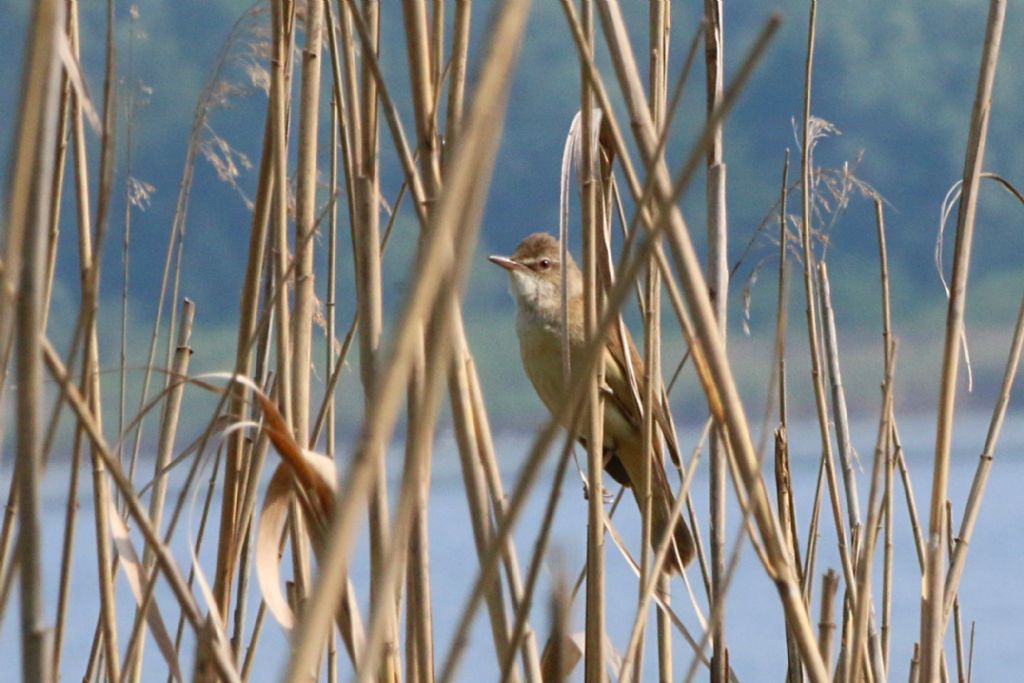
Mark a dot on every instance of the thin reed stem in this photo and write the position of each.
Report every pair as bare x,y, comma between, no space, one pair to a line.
932,598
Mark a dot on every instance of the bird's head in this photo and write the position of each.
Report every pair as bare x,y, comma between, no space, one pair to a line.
535,273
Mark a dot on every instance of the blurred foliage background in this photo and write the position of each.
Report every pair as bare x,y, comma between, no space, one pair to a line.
896,79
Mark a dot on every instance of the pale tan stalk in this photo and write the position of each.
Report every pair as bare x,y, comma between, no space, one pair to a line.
716,374
27,219
346,344
883,260
57,193
268,226
423,55
488,459
165,449
814,337
519,629
419,454
826,623
473,161
783,479
718,281
330,303
657,562
864,634
248,325
594,415
365,240
908,490
170,419
480,514
71,513
973,506
531,467
134,507
914,673
90,385
839,412
304,291
305,210
659,22
932,599
957,625
418,45
430,385
67,551
457,70
846,457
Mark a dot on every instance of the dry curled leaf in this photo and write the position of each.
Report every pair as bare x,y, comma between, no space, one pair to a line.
135,573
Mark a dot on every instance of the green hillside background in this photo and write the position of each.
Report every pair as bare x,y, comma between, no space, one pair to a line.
897,79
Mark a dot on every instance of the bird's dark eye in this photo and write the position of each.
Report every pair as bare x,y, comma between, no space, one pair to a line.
544,264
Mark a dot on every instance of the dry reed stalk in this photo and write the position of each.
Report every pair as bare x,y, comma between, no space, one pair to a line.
248,332
480,515
842,430
424,49
957,625
73,114
90,387
718,281
651,588
973,505
457,70
814,337
650,307
865,635
27,219
488,459
249,299
330,303
305,210
908,490
530,468
826,623
659,37
716,376
915,664
783,479
165,447
883,260
594,648
134,507
932,599
275,185
365,241
839,412
520,629
463,184
429,385
57,188
304,296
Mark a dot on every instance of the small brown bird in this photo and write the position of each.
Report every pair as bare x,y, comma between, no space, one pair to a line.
535,276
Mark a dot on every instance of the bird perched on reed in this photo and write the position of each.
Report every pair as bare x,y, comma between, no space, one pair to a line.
535,277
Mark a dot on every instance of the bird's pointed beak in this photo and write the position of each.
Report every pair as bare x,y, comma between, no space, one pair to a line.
505,262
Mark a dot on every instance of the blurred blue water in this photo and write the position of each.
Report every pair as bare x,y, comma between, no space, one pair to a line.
991,596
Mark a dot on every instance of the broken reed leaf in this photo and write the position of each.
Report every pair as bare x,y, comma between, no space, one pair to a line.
268,535
135,574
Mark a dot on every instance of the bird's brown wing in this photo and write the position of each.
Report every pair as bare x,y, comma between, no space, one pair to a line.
620,389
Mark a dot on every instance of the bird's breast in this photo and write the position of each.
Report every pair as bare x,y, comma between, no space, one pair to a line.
540,346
